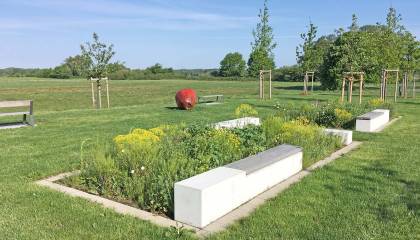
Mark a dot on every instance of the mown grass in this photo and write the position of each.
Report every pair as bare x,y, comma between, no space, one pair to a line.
372,193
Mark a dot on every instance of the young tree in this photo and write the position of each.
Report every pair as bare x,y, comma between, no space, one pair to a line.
393,21
354,27
232,65
306,55
99,55
262,56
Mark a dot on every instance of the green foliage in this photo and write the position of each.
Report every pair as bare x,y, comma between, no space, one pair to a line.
252,139
245,110
301,133
262,56
158,69
307,57
330,114
62,72
287,74
232,65
354,27
78,65
141,167
99,55
370,49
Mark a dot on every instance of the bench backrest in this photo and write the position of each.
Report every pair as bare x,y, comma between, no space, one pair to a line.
19,103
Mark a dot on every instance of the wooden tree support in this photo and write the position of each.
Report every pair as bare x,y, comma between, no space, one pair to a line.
97,100
350,78
384,83
262,79
306,80
414,84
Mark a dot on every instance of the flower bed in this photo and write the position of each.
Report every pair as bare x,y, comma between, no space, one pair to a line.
141,167
331,114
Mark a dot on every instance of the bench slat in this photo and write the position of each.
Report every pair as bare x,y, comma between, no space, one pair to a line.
264,159
14,114
20,103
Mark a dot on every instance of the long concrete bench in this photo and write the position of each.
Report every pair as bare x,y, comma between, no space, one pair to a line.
345,135
238,123
202,199
372,121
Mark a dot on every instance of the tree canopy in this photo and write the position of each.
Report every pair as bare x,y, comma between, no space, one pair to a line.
99,55
262,56
369,48
232,65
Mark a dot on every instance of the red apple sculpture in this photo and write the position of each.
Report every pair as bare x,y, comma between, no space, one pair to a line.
186,98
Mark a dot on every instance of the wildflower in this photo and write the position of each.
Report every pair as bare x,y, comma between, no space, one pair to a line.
132,171
245,110
142,168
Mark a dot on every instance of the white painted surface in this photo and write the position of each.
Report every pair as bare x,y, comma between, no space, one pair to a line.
384,118
345,135
373,125
265,178
238,123
204,198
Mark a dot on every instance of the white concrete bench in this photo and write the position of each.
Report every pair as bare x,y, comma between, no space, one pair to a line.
238,123
372,121
202,199
345,135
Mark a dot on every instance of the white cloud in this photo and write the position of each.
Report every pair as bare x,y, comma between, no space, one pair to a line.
78,13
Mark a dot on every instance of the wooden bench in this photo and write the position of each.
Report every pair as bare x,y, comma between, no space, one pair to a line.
210,98
28,117
203,198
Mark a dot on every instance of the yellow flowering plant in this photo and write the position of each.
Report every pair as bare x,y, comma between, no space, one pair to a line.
245,110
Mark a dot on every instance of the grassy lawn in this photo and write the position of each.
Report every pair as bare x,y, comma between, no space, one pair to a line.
372,193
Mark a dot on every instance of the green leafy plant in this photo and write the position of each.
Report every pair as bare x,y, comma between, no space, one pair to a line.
245,110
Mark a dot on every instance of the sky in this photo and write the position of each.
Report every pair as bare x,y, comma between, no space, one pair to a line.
179,34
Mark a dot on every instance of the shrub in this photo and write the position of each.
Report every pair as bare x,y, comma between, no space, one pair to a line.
376,102
330,114
252,139
245,110
315,143
341,117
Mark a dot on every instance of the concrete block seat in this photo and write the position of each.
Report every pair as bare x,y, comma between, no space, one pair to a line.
202,199
345,135
372,121
238,123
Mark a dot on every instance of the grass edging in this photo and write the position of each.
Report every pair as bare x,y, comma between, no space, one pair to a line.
216,226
